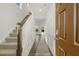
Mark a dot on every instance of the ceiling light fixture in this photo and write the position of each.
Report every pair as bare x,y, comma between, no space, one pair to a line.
40,10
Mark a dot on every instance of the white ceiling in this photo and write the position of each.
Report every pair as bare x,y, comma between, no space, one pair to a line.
39,11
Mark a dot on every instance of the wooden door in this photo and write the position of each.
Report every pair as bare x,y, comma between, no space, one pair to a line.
67,29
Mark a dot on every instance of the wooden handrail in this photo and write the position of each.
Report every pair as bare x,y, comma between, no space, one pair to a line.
24,20
19,34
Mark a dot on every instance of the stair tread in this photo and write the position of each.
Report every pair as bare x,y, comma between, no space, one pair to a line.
7,51
8,46
13,34
11,39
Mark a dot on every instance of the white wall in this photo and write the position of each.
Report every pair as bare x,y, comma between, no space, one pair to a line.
28,36
10,14
50,28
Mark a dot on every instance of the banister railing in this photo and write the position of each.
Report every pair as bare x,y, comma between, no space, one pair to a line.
24,20
19,32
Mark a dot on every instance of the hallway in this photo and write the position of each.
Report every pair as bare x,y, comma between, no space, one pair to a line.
40,48
39,39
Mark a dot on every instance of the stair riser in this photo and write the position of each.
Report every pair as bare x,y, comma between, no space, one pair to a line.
13,35
8,46
15,30
11,40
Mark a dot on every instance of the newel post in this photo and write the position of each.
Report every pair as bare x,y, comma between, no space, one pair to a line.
19,45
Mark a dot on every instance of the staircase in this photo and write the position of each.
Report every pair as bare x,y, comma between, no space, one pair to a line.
13,45
8,48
